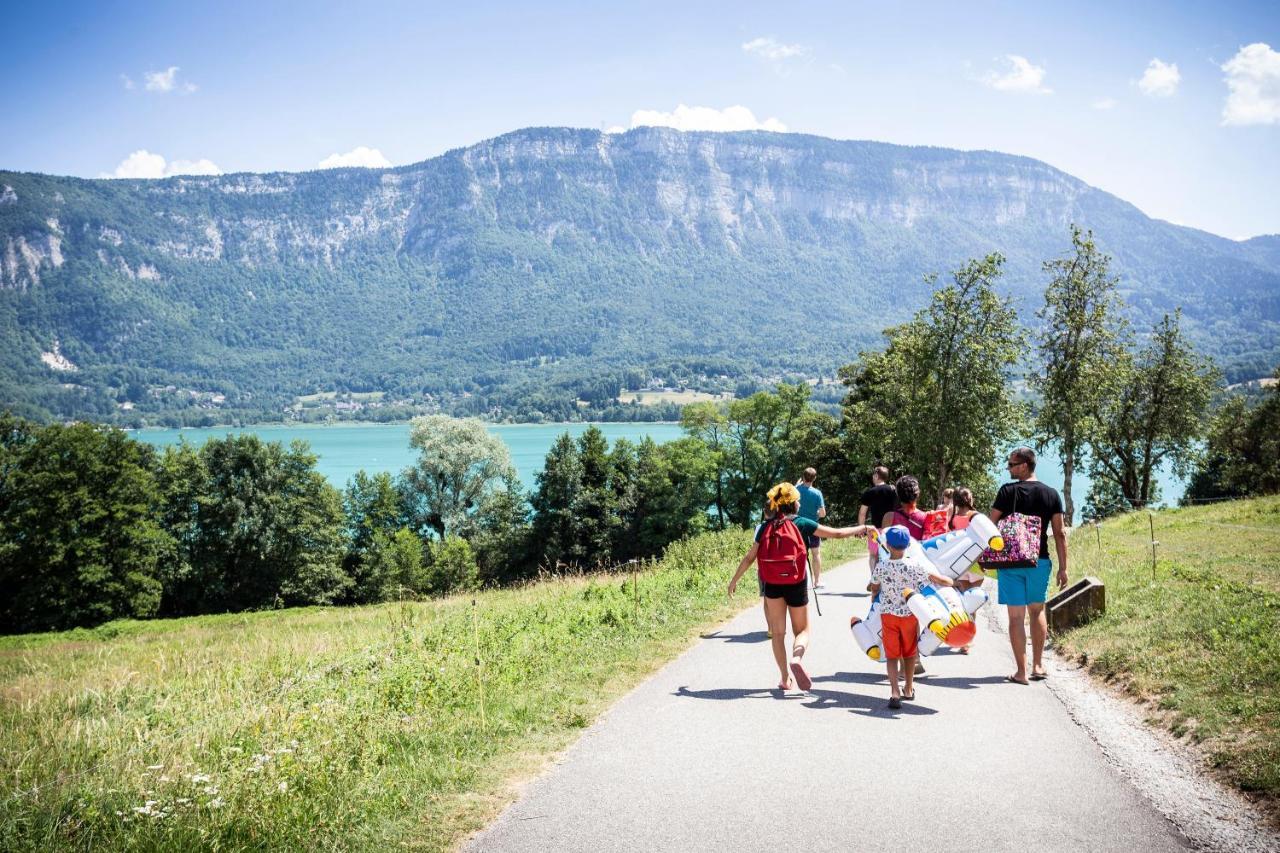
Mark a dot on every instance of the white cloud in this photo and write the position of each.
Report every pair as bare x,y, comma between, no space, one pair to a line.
705,118
1253,83
166,81
143,164
1161,79
370,158
1021,76
1104,104
767,47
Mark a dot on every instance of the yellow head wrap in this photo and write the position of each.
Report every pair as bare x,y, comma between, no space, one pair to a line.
782,495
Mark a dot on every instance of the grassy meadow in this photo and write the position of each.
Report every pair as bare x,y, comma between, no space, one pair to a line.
401,725
1198,639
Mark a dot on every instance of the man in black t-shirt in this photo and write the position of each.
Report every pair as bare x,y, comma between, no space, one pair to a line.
1024,587
881,498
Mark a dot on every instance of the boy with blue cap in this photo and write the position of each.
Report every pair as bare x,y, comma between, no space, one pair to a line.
891,578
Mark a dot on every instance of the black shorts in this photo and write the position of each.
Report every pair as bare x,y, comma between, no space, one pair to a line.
812,542
795,594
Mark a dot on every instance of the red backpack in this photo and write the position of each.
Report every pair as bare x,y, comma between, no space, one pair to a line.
782,556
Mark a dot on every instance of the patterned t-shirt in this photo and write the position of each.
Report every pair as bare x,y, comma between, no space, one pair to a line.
894,576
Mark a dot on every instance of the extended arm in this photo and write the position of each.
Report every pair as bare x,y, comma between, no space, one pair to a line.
824,532
743,566
1060,543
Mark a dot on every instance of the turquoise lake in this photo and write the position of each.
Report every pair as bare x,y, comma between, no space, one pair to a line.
344,449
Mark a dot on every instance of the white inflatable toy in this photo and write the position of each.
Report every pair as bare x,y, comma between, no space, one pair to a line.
944,614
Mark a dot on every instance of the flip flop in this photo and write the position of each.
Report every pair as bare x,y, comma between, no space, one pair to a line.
802,678
1039,676
909,697
1013,680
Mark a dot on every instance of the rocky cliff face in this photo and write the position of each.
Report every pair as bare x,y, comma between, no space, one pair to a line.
515,244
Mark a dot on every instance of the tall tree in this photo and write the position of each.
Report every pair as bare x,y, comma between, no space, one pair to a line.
1080,347
751,441
256,525
554,525
1242,453
936,401
460,464
1157,414
79,543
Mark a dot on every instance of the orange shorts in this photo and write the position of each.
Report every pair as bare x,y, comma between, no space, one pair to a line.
900,635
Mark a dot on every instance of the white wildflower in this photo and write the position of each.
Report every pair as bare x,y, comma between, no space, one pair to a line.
254,768
155,766
165,779
284,786
216,803
182,801
211,790
199,778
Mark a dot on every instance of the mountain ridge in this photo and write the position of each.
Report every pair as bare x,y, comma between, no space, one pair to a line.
556,264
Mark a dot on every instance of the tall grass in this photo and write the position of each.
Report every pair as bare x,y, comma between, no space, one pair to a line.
1198,637
354,728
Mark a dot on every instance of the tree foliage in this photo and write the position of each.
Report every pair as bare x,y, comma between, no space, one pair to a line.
1080,345
1242,453
256,526
459,468
1157,414
79,540
936,401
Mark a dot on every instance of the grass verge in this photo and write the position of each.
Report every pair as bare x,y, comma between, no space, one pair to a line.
355,728
1198,638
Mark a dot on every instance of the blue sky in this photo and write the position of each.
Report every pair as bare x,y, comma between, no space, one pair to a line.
1173,106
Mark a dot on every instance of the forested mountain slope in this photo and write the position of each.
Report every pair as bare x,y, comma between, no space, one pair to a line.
549,265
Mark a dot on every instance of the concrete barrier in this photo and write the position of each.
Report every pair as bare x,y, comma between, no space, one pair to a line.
1077,604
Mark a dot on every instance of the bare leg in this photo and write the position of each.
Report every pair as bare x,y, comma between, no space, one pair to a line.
815,565
775,610
799,627
909,668
1018,640
764,605
894,690
1039,631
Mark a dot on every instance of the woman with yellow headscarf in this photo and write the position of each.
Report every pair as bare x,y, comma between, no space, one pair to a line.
779,550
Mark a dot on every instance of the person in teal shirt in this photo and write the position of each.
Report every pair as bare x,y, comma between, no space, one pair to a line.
814,508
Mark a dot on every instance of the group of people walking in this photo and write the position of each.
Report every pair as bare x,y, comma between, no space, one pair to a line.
787,549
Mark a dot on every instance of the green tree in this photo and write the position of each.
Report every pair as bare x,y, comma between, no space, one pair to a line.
394,566
1242,453
751,446
460,465
79,540
672,490
373,516
502,540
936,401
1080,346
1156,415
256,525
554,525
595,504
452,567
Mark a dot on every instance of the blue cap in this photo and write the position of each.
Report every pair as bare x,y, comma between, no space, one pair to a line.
897,537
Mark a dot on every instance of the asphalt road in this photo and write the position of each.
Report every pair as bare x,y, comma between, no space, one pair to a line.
705,756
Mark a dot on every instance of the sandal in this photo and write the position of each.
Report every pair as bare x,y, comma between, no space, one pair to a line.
1016,681
909,697
802,677
895,703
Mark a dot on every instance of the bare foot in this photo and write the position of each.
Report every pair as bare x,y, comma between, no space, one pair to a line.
785,685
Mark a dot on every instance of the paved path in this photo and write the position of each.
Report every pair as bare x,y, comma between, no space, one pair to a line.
704,756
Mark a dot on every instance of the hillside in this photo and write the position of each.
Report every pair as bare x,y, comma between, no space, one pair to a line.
547,265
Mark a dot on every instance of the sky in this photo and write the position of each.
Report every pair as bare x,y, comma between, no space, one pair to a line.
1173,106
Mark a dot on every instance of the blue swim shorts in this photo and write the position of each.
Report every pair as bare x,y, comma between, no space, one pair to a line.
1021,587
